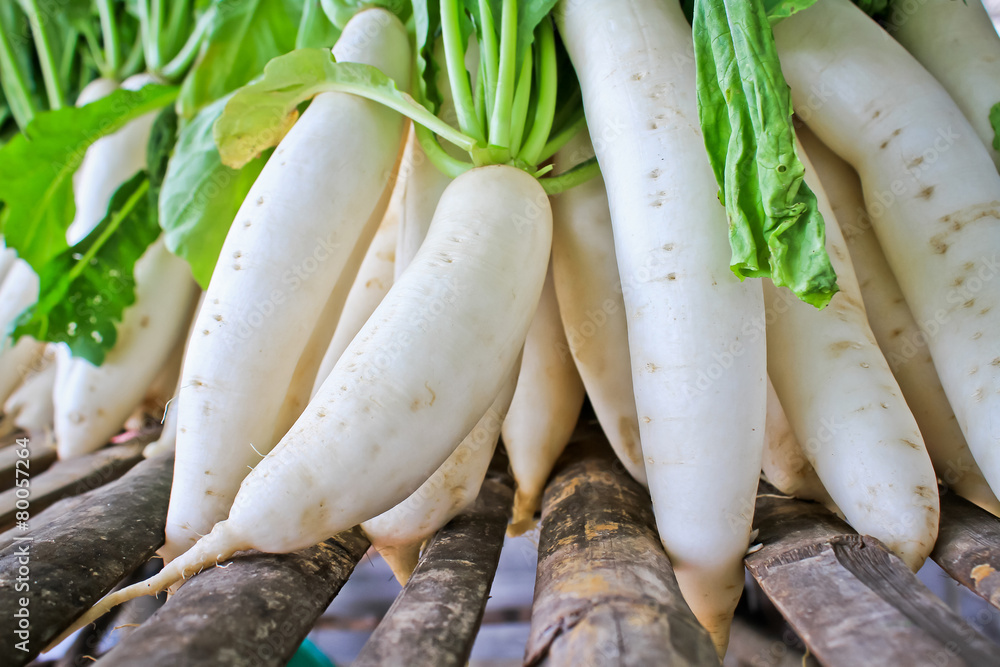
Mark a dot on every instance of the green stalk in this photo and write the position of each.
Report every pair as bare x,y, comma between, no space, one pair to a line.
109,29
481,91
562,137
546,110
15,86
176,68
446,164
135,58
488,50
149,29
50,72
501,116
581,173
177,19
95,52
522,102
458,77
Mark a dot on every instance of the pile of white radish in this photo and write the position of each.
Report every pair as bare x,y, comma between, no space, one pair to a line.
386,309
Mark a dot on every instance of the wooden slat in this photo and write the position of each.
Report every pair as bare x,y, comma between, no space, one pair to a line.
42,456
605,592
254,611
75,476
755,645
968,547
435,619
850,599
80,556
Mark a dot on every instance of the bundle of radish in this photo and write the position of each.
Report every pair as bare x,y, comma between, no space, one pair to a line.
900,338
588,289
436,352
957,43
931,190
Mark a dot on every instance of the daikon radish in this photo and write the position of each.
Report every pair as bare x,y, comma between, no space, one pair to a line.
308,218
931,189
30,407
543,411
686,311
903,343
957,43
588,289
399,533
846,408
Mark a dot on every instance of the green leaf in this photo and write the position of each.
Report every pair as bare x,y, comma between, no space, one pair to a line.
36,168
873,7
339,12
777,10
242,37
995,122
427,24
261,113
745,108
200,195
315,29
85,289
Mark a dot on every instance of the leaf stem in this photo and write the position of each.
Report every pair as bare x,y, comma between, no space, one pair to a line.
581,173
562,137
546,110
488,49
522,101
46,59
109,30
446,164
177,67
458,77
15,86
500,130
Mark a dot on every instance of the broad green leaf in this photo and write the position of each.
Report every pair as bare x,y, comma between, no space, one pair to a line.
200,195
261,113
777,10
242,37
84,291
427,25
745,108
37,166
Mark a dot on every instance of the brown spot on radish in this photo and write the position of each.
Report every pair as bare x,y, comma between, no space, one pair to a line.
144,322
995,362
671,276
209,492
668,247
926,193
646,420
842,346
883,145
638,76
655,173
630,439
915,162
878,112
895,333
985,310
863,364
205,332
968,266
939,246
260,200
973,370
969,304
208,472
977,395
236,267
957,282
884,406
433,395
911,444
247,224
977,335
237,254
217,318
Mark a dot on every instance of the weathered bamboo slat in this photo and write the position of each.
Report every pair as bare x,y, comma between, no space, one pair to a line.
850,599
254,611
42,456
752,645
435,619
968,547
74,476
605,593
80,556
